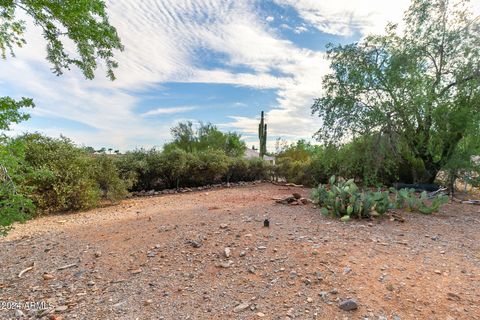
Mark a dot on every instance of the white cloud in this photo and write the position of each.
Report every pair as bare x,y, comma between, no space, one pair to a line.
270,19
172,110
344,17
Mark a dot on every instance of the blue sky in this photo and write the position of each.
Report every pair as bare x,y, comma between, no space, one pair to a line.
214,61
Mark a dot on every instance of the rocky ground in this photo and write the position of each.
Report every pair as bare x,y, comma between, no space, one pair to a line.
207,255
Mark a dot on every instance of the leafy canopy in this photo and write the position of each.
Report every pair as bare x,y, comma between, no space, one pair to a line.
85,22
419,88
205,137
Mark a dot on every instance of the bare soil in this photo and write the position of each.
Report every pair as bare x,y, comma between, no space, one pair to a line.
164,258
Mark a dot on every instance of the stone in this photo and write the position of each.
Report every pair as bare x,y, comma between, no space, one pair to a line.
242,254
151,254
61,308
47,276
98,254
148,302
323,295
223,226
227,252
260,314
438,272
261,248
348,305
309,300
241,307
225,264
137,271
19,313
296,195
195,244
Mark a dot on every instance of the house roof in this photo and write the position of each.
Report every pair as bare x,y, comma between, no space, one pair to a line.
249,153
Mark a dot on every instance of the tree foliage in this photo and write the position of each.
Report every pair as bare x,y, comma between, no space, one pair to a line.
10,111
205,137
84,22
419,88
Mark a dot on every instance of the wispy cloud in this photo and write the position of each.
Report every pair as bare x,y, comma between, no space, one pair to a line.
172,110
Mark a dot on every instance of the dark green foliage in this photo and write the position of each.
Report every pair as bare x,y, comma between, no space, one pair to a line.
262,135
205,137
105,174
14,206
174,168
84,22
345,200
58,176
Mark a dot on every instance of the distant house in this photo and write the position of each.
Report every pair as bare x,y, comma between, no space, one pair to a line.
252,153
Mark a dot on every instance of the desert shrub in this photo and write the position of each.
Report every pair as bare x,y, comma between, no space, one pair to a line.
237,170
172,167
14,206
258,169
206,167
344,199
59,176
105,173
133,168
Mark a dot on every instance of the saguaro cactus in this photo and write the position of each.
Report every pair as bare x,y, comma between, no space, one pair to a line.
262,135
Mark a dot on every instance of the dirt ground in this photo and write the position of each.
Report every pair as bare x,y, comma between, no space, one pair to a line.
164,258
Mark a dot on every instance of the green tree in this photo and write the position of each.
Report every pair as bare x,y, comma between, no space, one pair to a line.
205,137
419,88
83,22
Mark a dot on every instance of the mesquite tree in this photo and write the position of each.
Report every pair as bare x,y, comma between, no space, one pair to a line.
419,88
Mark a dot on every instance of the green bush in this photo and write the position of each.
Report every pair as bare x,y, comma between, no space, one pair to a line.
105,173
59,176
13,205
206,167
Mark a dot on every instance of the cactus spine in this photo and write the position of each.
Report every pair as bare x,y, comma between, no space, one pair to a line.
262,135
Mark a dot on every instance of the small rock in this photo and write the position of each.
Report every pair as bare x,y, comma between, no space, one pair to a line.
242,254
151,254
148,302
195,244
348,305
309,300
260,314
251,270
346,270
98,254
227,252
119,305
296,195
47,276
137,271
61,308
323,295
223,226
225,264
19,313
453,296
438,272
241,307
261,248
